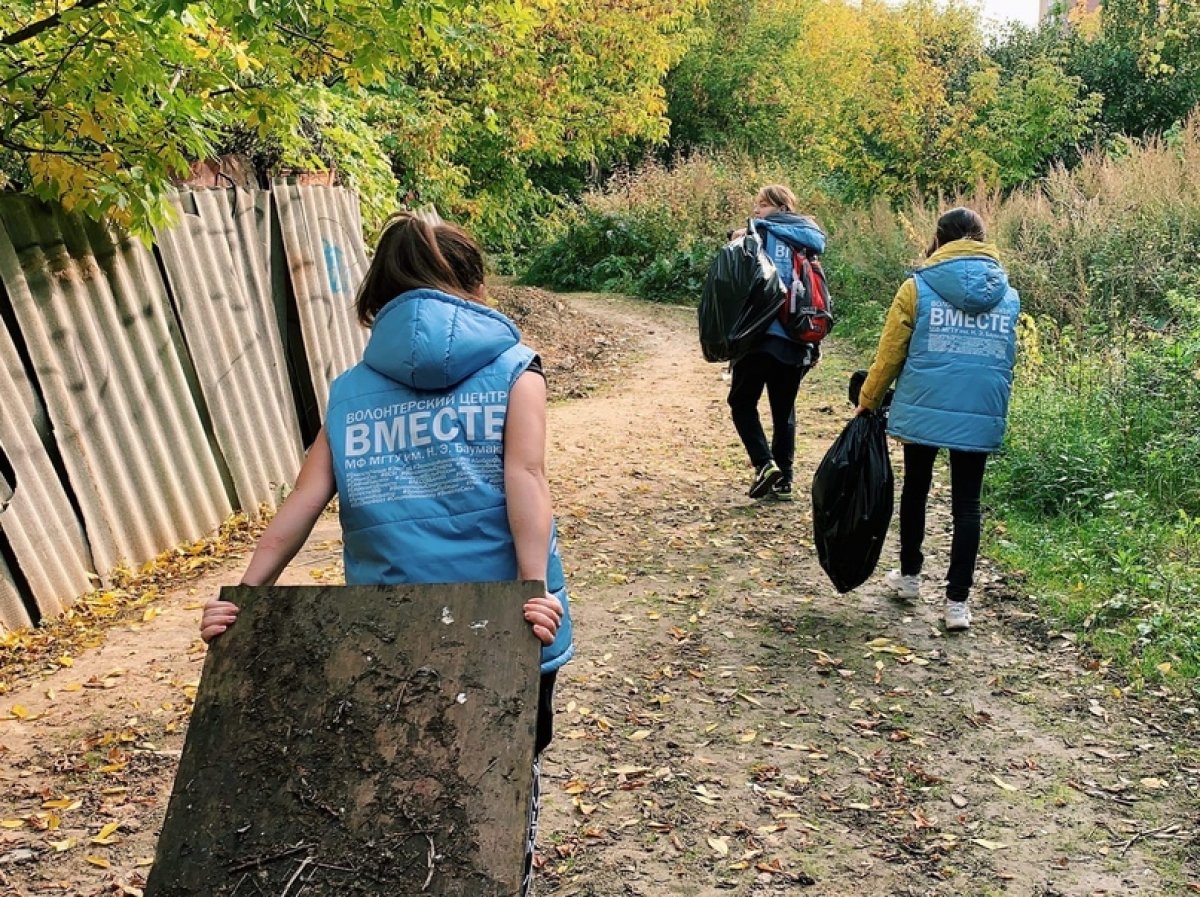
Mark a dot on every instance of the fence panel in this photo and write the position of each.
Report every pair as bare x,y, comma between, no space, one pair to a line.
42,530
217,259
95,317
326,260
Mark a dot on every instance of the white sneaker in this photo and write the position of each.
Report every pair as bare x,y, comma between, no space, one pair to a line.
958,616
906,587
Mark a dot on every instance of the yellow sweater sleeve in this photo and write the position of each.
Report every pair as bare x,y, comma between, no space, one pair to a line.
893,345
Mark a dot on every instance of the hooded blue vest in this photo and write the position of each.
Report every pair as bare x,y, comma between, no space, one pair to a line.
416,430
784,233
954,388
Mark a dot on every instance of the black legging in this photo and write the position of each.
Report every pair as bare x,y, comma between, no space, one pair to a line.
966,483
782,381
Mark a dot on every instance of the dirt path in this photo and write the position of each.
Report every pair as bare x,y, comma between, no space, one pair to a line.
730,726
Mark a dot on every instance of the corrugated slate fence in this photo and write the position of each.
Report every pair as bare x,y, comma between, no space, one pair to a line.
147,392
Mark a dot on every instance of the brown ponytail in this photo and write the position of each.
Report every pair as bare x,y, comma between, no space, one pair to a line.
779,196
409,257
957,224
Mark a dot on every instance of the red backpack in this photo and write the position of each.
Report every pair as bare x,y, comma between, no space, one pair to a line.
807,313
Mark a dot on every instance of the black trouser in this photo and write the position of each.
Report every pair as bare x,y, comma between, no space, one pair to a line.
545,732
966,483
782,381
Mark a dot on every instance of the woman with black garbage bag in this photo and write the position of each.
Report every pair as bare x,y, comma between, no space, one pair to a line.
950,339
777,362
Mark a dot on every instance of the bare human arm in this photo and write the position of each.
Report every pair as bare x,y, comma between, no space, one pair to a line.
527,493
284,536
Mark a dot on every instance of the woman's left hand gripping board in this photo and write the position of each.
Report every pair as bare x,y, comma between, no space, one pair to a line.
217,617
544,613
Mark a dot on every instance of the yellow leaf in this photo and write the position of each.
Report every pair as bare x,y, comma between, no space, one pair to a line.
61,803
1164,668
747,737
11,823
640,735
720,845
575,787
105,834
149,614
1005,785
19,712
64,844
66,661
98,861
89,129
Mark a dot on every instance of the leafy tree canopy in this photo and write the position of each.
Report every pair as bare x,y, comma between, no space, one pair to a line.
877,97
451,100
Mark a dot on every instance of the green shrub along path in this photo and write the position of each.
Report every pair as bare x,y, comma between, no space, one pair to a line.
730,724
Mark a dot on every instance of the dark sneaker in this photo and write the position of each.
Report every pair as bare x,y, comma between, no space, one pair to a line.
782,491
768,475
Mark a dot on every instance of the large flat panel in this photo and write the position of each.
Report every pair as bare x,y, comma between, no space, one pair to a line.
358,741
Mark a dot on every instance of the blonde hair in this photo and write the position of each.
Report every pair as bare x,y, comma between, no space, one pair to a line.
778,196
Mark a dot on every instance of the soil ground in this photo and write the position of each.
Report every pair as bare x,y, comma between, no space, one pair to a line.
730,725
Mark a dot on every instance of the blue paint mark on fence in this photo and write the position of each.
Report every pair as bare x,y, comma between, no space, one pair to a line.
335,265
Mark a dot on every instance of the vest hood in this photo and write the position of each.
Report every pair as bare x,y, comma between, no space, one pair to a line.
430,340
967,274
797,231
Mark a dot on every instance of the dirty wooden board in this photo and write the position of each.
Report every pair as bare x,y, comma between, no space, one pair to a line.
358,740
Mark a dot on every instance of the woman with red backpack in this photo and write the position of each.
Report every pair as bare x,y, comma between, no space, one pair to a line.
778,361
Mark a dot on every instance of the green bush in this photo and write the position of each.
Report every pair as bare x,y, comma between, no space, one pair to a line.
651,232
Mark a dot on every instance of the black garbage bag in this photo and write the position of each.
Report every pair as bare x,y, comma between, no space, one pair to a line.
857,379
742,295
852,502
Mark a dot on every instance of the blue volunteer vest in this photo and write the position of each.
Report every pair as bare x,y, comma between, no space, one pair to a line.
420,481
954,388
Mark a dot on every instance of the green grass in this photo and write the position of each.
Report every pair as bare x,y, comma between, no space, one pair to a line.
1127,591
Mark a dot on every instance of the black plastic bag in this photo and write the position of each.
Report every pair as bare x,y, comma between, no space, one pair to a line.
852,502
742,295
857,379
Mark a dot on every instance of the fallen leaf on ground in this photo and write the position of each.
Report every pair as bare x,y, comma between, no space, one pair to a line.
989,845
720,845
1005,785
